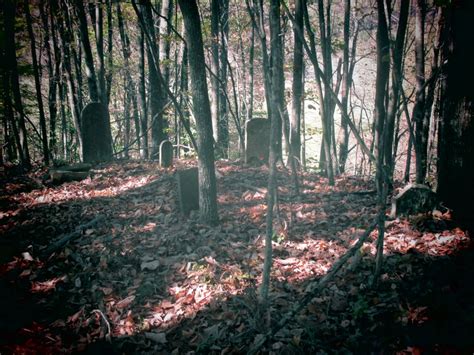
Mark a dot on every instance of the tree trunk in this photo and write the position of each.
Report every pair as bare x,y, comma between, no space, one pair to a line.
89,60
346,85
421,126
297,89
215,14
155,91
9,10
110,29
326,141
165,32
75,50
223,129
456,111
14,146
53,77
277,74
164,55
129,84
129,87
184,88
382,76
397,78
99,35
142,95
251,74
257,17
65,37
202,111
36,74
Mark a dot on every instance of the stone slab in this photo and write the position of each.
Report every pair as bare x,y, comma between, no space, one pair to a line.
188,190
257,139
413,199
95,132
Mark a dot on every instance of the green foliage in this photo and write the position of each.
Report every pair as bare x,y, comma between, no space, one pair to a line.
337,44
278,238
314,131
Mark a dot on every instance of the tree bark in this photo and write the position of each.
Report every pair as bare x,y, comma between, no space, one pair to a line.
65,37
346,85
99,33
142,95
397,78
381,81
89,60
326,142
36,74
13,140
202,111
223,129
155,91
165,32
110,33
297,89
53,77
421,126
277,74
215,14
456,111
129,85
9,10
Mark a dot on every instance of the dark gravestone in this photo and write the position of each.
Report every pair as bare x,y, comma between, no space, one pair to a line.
166,154
413,199
188,190
257,139
95,133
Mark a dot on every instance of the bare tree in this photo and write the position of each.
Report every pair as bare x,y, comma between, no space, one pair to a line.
36,74
380,116
297,88
202,111
9,9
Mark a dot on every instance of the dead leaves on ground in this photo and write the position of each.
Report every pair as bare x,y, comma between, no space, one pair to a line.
183,285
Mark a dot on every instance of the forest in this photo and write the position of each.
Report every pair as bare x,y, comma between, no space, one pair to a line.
224,176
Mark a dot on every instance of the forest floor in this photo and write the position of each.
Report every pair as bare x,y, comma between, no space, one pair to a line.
144,279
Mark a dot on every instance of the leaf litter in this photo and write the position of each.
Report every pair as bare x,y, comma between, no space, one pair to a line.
146,279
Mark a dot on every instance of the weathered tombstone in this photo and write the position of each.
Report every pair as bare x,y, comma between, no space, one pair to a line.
96,141
188,190
413,199
257,139
166,154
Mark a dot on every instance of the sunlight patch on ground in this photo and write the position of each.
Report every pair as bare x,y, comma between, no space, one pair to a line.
80,191
434,244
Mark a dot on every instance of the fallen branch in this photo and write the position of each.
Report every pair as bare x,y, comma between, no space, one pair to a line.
108,336
66,238
313,289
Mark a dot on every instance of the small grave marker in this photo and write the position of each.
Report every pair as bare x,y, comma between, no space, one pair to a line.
166,154
257,139
188,190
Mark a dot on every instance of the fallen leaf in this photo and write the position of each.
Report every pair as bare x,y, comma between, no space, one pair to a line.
125,302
